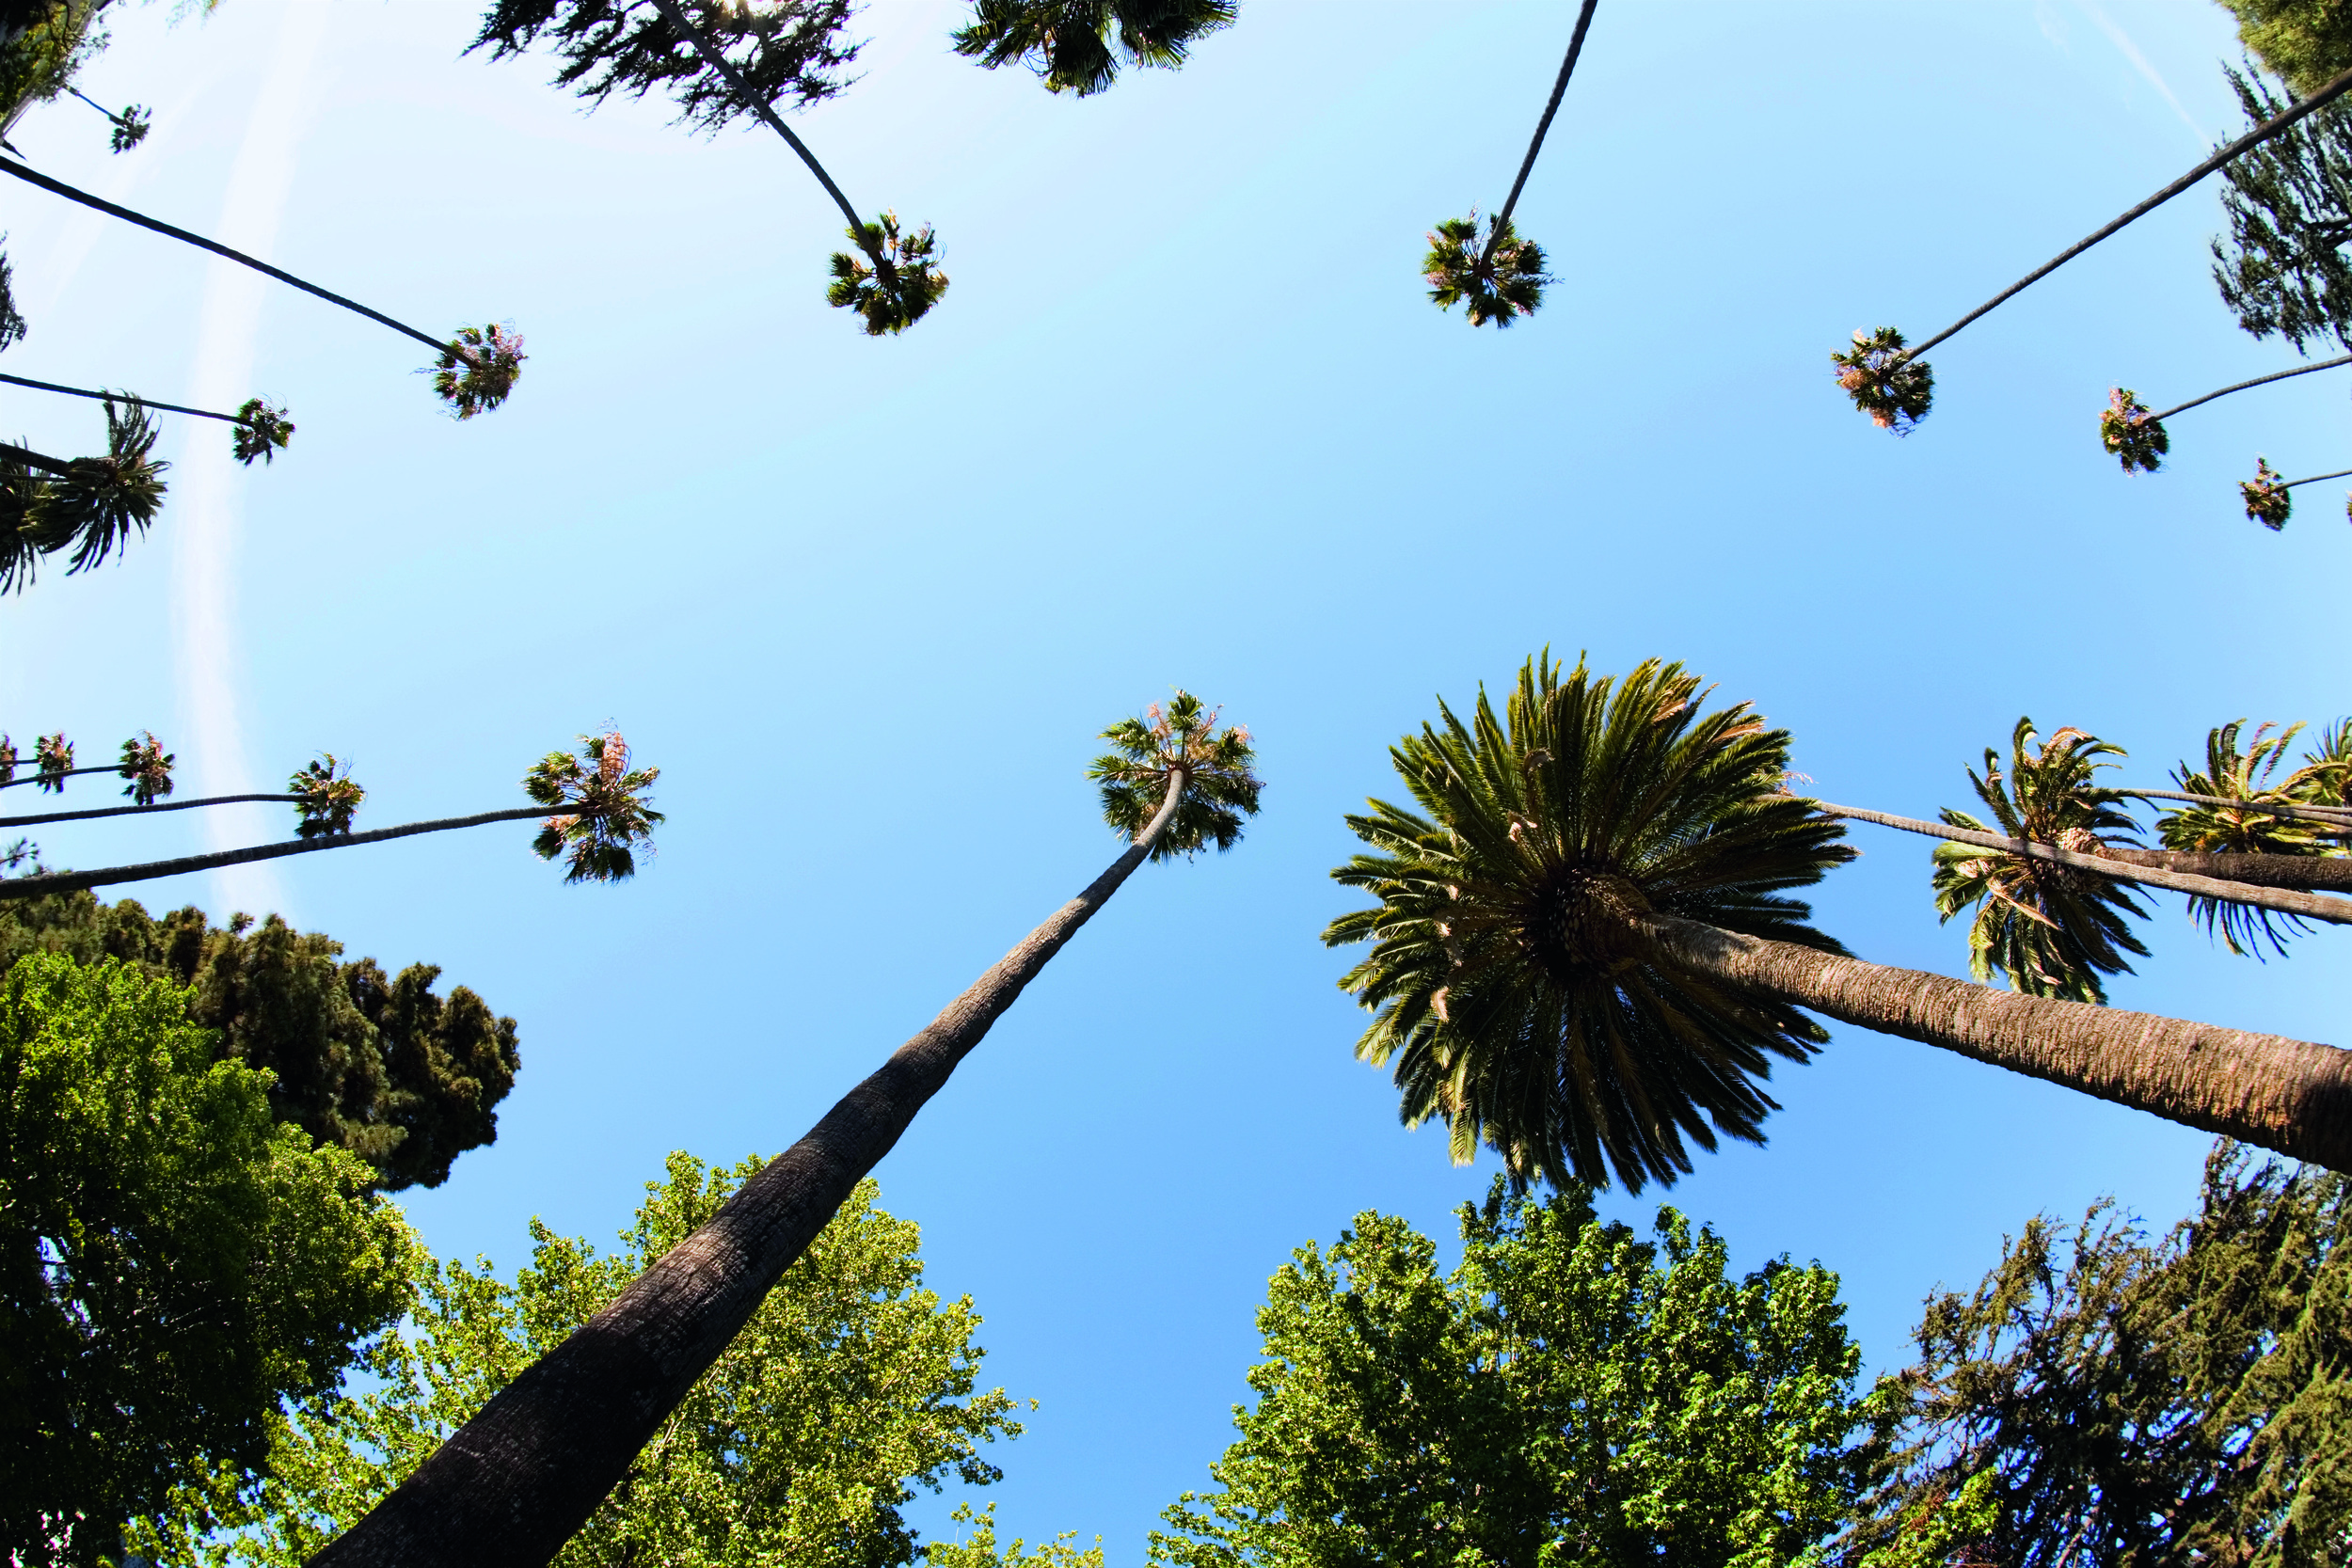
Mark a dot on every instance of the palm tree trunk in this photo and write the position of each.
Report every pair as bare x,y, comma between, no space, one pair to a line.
32,459
2312,873
2333,816
60,188
68,881
1576,47
140,811
2314,478
63,772
2311,906
512,1485
2258,381
2246,143
2292,1096
144,402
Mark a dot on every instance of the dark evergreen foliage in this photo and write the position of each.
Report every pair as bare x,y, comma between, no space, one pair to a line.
2307,42
11,323
379,1065
2289,203
784,49
1070,43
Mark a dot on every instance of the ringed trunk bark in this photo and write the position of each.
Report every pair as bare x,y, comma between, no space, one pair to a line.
512,1485
2289,1096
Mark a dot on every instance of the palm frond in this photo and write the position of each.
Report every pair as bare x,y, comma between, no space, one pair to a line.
2131,434
783,49
1221,789
1077,46
2268,500
147,766
326,798
2238,771
892,284
1885,382
605,808
1497,279
260,431
477,370
53,759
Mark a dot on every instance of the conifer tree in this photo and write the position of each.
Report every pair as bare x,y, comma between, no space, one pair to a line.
1078,48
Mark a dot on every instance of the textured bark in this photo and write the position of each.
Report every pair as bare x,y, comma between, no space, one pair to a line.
2311,872
140,811
2292,1096
512,1485
67,881
2311,906
144,402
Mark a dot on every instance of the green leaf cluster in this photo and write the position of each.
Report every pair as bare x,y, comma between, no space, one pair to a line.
2239,767
261,431
327,796
1069,43
2131,432
2282,267
39,61
173,1260
147,766
2307,42
606,808
476,372
2129,1402
1885,382
90,505
1220,787
1570,1396
2266,497
892,284
1497,279
852,1385
1515,993
375,1065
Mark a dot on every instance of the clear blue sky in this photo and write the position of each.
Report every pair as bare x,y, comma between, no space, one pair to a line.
1185,416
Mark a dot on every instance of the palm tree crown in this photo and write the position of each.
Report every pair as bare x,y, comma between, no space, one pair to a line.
1498,279
2238,774
606,809
1885,382
1514,991
2053,930
1068,42
1220,789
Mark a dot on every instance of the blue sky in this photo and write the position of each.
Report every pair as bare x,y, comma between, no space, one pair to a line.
1184,417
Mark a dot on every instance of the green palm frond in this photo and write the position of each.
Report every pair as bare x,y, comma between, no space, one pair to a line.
1069,43
605,810
1885,383
131,127
1220,789
2052,929
147,766
101,500
53,756
8,760
1513,992
2131,432
2326,777
326,798
2238,772
894,284
477,369
31,525
11,323
260,431
2267,500
1499,278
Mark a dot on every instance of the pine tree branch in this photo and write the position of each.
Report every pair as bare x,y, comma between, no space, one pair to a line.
140,810
144,402
1576,47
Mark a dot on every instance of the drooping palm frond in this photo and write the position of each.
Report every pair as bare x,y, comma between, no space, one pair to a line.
781,49
2241,773
11,323
147,766
2326,777
2131,434
605,810
1220,789
1885,381
2267,502
1516,995
2054,930
106,498
894,283
477,369
1070,43
1498,279
325,798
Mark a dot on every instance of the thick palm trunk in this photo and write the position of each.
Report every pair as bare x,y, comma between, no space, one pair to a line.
512,1485
2311,906
140,810
2292,1096
2312,873
68,881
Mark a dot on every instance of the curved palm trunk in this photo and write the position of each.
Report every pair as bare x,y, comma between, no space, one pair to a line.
35,778
143,402
2246,143
142,811
2258,381
2334,815
68,881
2292,1096
512,1485
60,188
1559,88
2311,906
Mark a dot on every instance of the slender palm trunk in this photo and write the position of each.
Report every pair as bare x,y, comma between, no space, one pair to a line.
60,188
2246,143
2314,478
2336,816
2292,1096
512,1485
1567,66
68,881
143,811
32,459
63,772
2258,381
143,402
2311,906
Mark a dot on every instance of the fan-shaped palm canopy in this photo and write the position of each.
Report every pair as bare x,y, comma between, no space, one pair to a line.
1497,279
1516,993
2053,930
477,370
2132,434
147,766
1069,42
895,284
2267,502
1885,381
606,809
2238,772
326,798
1220,789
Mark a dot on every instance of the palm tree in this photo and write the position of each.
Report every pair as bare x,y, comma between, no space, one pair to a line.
260,430
1892,373
130,127
1069,45
1505,279
595,810
514,1483
2130,432
2267,498
1583,955
475,372
88,505
2241,772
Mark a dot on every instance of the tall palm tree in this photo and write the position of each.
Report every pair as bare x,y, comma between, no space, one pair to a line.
2241,767
1885,373
1505,279
260,431
474,370
2267,498
130,127
595,809
1582,957
2136,435
1069,42
514,1483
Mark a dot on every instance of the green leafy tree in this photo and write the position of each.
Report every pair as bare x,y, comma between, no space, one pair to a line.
1570,1396
2123,1401
2307,42
173,1260
851,1387
1583,955
377,1064
534,1463
1077,46
2289,204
